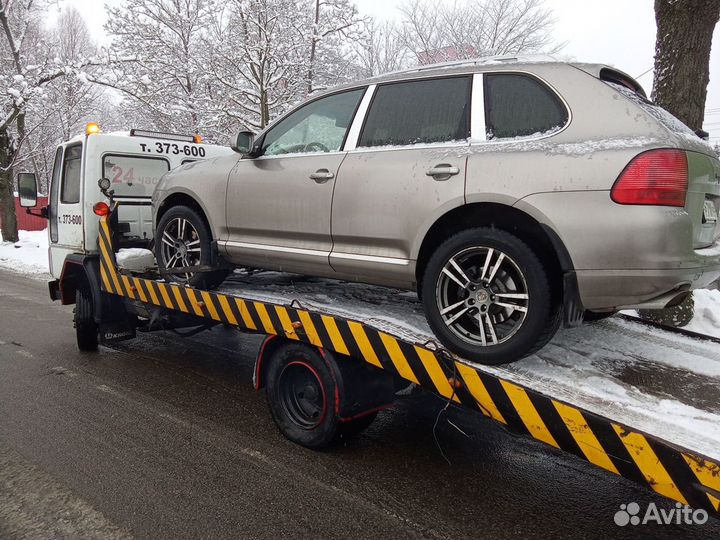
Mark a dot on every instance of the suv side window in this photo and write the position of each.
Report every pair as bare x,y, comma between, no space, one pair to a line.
70,190
520,106
426,111
320,126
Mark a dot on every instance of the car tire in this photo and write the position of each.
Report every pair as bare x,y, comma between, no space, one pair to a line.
191,243
86,329
495,267
300,392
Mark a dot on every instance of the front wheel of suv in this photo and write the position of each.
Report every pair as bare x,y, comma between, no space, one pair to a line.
487,297
183,240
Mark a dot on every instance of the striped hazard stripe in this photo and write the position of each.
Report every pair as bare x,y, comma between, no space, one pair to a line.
675,473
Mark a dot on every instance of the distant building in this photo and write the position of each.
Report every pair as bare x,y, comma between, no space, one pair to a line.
28,222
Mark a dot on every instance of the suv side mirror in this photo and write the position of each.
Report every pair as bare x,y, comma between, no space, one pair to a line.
243,142
27,189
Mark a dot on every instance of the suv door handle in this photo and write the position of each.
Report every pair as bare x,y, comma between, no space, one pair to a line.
321,176
442,171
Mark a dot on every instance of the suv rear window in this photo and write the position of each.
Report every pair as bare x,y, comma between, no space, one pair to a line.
428,111
520,106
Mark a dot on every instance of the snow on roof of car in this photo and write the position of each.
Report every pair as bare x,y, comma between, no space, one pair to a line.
480,61
457,66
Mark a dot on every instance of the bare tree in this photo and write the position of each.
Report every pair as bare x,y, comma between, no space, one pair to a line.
458,29
682,56
157,59
682,74
73,100
334,24
382,50
27,70
76,98
256,59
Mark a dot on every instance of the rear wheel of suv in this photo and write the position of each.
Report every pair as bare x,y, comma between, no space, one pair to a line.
487,297
183,239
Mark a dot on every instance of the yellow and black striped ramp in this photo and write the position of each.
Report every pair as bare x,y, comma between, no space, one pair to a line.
676,473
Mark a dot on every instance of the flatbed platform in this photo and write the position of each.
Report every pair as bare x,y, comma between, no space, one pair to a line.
635,401
659,382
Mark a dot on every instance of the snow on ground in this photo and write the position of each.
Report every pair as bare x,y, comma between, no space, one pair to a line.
707,313
649,379
27,256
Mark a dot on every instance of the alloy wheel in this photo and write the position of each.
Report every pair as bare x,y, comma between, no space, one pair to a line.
482,296
181,246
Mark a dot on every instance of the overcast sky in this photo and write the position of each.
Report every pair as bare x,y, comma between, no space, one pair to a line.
616,32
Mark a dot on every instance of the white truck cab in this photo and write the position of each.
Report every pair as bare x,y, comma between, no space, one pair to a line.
133,163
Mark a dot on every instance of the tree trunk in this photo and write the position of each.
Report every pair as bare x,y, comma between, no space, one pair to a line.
264,109
313,50
682,56
682,74
8,220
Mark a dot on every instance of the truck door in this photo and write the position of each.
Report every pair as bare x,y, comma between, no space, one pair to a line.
66,227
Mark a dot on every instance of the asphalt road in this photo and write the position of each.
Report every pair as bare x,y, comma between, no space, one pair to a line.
164,437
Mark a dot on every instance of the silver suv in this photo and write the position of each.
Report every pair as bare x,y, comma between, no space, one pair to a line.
511,193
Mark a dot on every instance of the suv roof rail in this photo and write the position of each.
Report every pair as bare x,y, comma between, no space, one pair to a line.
509,58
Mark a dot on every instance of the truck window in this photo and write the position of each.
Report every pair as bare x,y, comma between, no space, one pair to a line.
70,191
54,193
133,176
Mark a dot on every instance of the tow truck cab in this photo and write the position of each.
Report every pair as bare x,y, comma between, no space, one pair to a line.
133,163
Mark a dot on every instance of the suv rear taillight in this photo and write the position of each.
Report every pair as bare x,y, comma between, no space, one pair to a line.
656,177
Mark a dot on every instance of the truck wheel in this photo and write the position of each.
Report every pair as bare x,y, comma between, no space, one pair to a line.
86,330
182,238
301,392
487,297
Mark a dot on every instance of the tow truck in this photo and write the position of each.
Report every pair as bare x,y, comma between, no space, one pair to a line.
334,354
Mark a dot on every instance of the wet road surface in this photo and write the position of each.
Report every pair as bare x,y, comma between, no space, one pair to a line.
164,437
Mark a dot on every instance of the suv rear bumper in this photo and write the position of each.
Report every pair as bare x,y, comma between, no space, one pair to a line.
650,288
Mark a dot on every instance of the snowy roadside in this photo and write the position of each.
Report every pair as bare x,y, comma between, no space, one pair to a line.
707,313
27,256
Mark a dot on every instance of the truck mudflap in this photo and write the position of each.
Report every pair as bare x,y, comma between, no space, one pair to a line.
670,469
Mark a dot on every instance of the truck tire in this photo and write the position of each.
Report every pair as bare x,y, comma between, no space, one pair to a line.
301,392
183,238
487,297
86,330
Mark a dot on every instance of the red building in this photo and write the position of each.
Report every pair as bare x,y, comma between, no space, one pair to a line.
27,222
